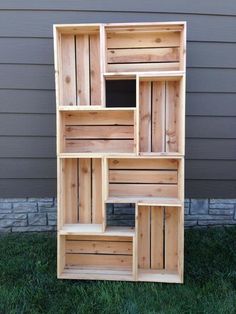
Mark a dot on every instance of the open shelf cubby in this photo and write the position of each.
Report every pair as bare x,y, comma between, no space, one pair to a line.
120,95
98,131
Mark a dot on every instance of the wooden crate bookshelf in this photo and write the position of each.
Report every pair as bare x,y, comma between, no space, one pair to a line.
116,150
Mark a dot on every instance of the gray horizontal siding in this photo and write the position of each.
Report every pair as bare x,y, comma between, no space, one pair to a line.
27,100
182,6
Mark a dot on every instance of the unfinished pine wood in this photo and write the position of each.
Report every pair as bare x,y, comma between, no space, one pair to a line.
172,107
70,188
147,176
120,155
85,192
143,178
68,75
132,39
95,69
144,237
157,229
171,238
97,191
108,245
83,69
160,112
143,55
99,261
87,131
145,116
158,116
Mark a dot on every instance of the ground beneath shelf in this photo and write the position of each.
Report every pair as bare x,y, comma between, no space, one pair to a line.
28,282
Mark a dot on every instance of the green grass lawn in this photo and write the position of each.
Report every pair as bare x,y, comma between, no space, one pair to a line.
28,282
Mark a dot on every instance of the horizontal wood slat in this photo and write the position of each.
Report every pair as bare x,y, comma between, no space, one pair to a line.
144,176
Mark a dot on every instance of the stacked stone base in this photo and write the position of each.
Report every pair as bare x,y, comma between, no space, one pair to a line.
39,214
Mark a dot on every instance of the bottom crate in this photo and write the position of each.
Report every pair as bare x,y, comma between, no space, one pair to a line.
96,257
159,235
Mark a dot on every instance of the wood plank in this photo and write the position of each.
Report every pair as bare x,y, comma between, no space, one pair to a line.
99,131
143,55
142,67
146,190
157,225
100,117
171,238
144,237
100,146
145,116
98,238
99,247
86,273
158,116
101,261
142,176
70,189
67,77
95,70
142,39
143,163
85,190
151,275
82,66
172,108
97,191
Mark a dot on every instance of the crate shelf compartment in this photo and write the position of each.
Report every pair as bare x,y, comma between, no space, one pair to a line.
143,48
161,109
78,65
100,256
160,243
98,131
144,179
80,194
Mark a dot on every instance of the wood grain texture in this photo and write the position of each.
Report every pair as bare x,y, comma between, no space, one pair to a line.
85,191
68,79
83,70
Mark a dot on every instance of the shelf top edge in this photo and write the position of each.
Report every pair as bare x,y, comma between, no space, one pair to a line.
123,24
94,108
117,155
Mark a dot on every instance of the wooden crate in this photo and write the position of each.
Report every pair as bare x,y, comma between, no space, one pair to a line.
108,154
86,131
159,232
132,48
80,187
97,257
161,128
79,66
144,178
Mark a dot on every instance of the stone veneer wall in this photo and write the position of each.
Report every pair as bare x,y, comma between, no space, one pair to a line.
39,214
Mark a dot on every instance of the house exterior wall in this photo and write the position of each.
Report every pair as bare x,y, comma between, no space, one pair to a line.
27,100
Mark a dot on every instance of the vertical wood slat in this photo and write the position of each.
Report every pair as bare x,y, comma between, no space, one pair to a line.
70,196
172,106
95,70
158,116
157,225
85,212
145,116
171,238
144,237
82,66
97,191
68,76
